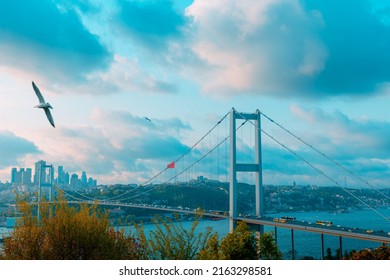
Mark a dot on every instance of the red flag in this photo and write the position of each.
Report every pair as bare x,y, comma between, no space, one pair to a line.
171,165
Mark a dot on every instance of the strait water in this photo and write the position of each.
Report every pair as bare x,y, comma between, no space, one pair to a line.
305,243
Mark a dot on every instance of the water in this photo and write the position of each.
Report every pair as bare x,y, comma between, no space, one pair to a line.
307,243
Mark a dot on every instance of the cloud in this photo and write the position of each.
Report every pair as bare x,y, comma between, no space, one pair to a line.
357,40
47,40
127,75
256,46
282,48
151,23
289,48
133,125
362,146
14,148
353,137
119,145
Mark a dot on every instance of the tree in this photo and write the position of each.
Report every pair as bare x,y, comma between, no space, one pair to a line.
380,253
66,232
268,247
211,249
24,244
329,255
171,241
239,244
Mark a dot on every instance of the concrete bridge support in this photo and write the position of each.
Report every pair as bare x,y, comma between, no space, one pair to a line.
255,167
46,172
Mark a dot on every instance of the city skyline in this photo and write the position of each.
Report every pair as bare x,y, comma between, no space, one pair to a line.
25,176
134,84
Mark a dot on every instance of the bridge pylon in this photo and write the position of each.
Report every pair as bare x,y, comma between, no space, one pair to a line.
255,167
45,180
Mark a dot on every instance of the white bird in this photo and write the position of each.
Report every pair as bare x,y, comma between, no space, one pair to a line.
43,104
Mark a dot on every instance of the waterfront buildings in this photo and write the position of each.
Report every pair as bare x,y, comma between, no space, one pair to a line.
21,176
24,176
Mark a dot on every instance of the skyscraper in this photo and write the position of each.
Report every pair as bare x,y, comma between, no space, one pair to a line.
84,181
38,166
74,181
66,176
23,176
61,176
13,175
26,176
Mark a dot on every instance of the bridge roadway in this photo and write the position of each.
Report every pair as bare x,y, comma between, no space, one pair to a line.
362,234
335,230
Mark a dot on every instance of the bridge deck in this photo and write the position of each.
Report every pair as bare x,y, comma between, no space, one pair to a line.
375,236
362,234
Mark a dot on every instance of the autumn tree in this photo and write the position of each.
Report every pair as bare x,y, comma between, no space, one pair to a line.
171,240
211,250
65,232
239,245
380,253
268,249
27,238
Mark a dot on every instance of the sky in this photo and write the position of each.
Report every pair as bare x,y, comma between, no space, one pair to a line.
319,68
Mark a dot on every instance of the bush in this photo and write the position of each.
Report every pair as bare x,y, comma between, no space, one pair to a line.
66,233
171,241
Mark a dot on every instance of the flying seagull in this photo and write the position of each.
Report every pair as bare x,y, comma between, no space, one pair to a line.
43,104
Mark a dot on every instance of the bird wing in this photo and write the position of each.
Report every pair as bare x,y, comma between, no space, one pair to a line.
39,94
49,116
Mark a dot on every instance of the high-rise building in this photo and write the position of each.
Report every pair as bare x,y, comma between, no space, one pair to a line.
61,176
67,177
92,182
26,176
38,166
74,181
84,181
23,176
13,175
19,176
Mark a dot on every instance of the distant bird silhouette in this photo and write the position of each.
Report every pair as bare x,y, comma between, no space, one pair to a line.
43,104
146,118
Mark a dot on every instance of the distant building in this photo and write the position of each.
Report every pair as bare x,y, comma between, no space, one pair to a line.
62,176
26,176
74,181
23,176
92,182
200,179
14,172
38,166
18,176
84,181
67,178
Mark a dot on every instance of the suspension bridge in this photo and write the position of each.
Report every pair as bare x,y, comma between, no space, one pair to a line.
223,154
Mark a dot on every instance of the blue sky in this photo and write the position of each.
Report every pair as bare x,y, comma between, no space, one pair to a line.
320,68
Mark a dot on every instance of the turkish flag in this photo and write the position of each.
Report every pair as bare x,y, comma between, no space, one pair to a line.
171,165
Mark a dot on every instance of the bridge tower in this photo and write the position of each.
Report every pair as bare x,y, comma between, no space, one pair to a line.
255,167
46,179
